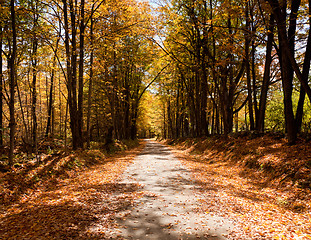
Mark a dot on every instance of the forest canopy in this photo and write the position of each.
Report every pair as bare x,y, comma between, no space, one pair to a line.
236,66
94,71
73,69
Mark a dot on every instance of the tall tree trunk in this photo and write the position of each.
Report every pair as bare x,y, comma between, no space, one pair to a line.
12,68
73,104
248,69
60,107
81,67
287,60
288,105
68,65
226,102
177,114
253,33
204,91
114,110
1,89
65,130
134,127
288,72
26,126
228,86
170,121
71,62
260,122
279,13
50,106
127,98
291,40
305,74
89,100
34,84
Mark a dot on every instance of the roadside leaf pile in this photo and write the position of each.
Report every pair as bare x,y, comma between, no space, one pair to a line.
80,204
266,198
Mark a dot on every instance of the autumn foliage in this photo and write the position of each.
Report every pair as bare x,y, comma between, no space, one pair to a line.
69,196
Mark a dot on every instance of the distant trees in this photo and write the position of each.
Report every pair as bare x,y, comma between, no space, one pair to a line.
123,54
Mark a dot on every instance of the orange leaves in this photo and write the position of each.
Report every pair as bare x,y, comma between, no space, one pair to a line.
78,207
250,196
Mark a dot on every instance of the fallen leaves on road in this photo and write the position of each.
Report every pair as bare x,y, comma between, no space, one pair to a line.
80,206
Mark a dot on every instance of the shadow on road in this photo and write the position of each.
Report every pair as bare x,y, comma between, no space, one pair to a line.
151,225
81,213
169,207
154,148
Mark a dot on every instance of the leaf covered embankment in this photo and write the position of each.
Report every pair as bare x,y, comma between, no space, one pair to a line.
73,195
261,183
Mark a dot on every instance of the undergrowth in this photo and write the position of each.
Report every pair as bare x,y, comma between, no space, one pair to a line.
29,172
267,157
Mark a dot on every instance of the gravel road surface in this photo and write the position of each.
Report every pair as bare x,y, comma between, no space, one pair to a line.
170,209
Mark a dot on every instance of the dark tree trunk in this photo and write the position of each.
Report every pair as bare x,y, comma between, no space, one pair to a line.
226,106
1,89
254,78
73,104
12,68
170,121
89,101
34,96
288,105
49,121
300,108
81,72
71,61
204,84
34,62
178,115
204,90
114,110
68,64
50,108
266,79
305,75
228,86
287,60
134,124
127,98
248,69
289,72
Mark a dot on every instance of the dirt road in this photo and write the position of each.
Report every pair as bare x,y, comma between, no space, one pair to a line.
170,207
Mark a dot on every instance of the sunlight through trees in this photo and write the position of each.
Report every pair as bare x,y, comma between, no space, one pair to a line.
77,70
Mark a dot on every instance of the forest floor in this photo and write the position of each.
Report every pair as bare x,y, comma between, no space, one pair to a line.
65,196
260,183
214,188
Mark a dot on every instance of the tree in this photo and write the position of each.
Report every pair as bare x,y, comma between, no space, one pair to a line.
286,53
266,78
34,64
1,86
12,69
